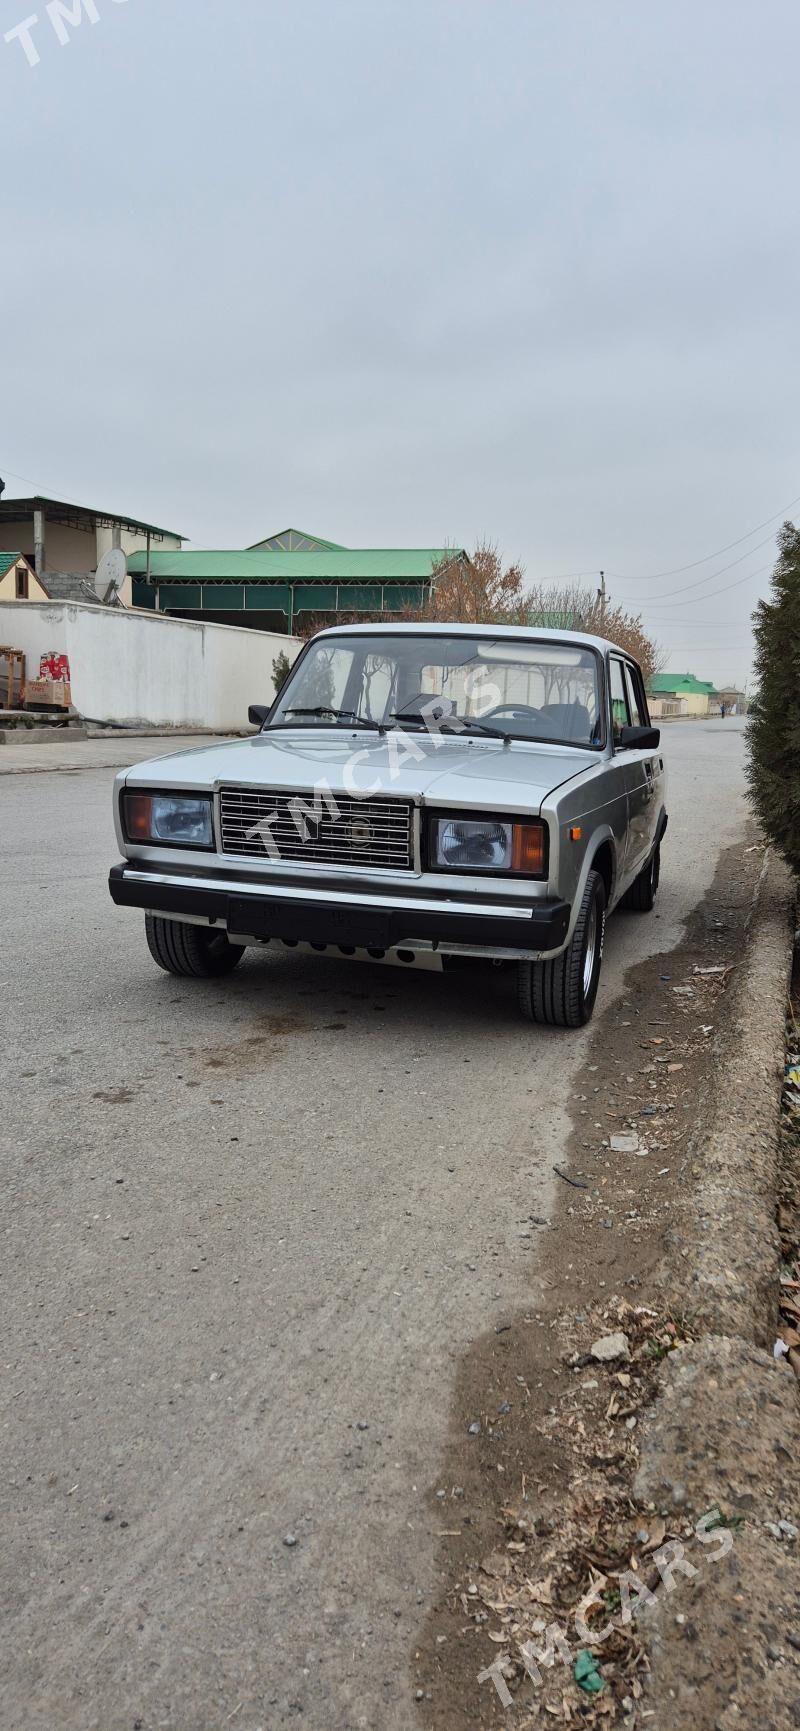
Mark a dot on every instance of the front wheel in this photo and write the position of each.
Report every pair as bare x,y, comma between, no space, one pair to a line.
197,952
561,993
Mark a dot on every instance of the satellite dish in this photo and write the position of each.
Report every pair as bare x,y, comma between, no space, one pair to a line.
110,575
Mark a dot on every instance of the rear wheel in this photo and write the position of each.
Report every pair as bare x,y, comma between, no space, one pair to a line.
561,993
642,893
198,952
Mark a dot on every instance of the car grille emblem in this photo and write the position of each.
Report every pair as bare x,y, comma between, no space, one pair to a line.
312,827
360,832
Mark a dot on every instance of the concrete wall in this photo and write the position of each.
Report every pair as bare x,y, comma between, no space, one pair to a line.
142,667
664,707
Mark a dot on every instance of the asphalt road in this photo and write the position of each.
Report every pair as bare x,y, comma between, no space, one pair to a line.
248,1229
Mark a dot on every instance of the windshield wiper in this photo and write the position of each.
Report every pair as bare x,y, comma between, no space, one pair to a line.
457,722
324,709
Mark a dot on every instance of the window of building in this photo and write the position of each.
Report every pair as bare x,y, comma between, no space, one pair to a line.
22,582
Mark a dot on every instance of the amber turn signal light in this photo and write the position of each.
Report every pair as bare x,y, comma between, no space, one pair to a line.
527,853
138,816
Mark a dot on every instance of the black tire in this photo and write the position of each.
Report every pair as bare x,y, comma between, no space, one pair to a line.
642,893
196,952
561,993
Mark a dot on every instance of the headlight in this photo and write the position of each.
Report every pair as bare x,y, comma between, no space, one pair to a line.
465,845
488,845
174,820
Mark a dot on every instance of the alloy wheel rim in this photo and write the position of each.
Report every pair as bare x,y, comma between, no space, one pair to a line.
590,952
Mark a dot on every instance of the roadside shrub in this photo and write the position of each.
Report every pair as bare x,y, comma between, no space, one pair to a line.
773,732
281,668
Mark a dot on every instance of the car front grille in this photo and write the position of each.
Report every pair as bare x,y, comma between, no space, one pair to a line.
336,830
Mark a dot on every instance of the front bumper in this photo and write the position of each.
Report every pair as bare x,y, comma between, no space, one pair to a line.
350,920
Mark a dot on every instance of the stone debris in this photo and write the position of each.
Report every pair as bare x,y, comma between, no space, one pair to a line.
610,1347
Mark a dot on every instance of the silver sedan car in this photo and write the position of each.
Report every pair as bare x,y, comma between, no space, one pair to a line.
418,795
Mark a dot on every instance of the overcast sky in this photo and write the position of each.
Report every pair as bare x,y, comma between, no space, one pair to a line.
406,272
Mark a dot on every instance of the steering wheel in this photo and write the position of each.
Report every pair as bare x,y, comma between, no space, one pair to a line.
514,711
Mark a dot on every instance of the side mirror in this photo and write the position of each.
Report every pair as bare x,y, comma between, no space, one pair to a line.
639,738
258,712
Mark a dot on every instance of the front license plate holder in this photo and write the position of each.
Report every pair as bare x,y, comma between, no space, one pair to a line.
260,917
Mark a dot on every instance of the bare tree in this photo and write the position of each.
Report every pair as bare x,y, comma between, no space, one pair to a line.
476,591
572,607
483,590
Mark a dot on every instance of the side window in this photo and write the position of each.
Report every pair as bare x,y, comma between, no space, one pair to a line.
635,698
619,701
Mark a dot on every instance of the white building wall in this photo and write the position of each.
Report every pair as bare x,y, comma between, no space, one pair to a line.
135,542
136,666
65,549
78,550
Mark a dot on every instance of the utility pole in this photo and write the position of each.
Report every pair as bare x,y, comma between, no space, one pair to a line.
601,596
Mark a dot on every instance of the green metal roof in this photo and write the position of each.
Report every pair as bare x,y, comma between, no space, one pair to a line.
380,564
683,684
7,560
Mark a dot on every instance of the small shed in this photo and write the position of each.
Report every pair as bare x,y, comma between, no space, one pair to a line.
18,580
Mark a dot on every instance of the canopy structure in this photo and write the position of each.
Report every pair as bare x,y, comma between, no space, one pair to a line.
286,575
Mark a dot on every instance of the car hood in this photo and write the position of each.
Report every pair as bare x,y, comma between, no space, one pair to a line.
452,771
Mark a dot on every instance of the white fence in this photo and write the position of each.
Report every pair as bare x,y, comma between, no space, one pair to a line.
133,666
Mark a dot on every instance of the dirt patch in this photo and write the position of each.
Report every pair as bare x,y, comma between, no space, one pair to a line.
536,1506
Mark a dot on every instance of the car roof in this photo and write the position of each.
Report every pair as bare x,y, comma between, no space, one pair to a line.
436,628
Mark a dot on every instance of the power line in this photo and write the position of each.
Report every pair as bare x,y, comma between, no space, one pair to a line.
677,570
712,575
39,491
567,577
710,594
29,482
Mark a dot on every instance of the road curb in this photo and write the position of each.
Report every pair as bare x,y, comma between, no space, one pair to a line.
724,1429
723,1437
721,1267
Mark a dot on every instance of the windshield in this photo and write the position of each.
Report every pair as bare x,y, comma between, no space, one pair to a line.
526,688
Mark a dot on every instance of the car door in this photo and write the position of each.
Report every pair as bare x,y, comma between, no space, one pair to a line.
644,778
